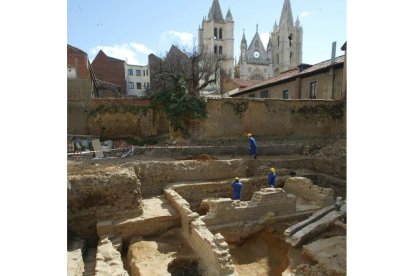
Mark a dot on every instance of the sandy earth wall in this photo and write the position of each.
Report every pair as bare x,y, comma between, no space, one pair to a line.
154,175
96,194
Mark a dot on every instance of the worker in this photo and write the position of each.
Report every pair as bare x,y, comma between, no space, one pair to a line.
252,145
271,178
237,187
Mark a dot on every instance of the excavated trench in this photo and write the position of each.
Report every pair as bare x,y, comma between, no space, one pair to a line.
160,247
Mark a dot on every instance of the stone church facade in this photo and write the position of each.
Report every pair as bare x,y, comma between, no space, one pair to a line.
283,51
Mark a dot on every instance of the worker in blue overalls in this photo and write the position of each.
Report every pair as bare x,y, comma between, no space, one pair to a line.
271,178
237,188
252,145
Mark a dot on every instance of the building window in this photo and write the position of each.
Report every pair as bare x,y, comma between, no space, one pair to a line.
130,85
252,96
264,94
215,32
220,50
147,72
312,90
285,94
71,73
215,49
138,72
220,34
139,85
130,72
290,40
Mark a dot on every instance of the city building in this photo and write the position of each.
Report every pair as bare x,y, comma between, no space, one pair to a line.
137,79
323,80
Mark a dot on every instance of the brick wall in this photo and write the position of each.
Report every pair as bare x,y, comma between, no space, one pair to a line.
225,210
78,59
110,70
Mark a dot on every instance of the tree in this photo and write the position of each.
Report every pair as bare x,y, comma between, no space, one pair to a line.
179,105
197,68
176,82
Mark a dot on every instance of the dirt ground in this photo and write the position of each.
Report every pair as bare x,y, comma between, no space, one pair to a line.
264,253
168,253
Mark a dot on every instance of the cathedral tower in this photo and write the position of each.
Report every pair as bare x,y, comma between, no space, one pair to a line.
286,40
216,36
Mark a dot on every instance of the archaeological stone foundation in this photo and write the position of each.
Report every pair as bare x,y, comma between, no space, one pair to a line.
167,211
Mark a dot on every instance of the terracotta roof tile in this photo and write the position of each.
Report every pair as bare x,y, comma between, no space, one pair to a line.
292,73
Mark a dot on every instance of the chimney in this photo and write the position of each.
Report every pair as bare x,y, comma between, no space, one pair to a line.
333,52
303,66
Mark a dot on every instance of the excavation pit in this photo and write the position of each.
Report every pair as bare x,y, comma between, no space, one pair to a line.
176,217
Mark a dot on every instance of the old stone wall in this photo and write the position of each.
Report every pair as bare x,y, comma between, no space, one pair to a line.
267,200
195,193
294,119
125,117
303,187
108,260
228,118
212,249
96,194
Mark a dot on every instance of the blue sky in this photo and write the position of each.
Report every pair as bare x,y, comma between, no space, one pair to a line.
132,29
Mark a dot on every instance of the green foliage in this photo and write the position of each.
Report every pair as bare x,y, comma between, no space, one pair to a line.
239,107
179,106
120,109
335,110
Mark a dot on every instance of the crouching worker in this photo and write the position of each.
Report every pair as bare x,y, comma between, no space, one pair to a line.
271,178
237,187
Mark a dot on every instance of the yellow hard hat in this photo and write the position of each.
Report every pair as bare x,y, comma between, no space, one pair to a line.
236,178
249,134
273,169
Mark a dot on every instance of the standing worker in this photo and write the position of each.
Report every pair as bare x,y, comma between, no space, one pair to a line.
237,187
252,145
271,178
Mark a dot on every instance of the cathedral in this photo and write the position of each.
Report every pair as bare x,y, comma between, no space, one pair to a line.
283,51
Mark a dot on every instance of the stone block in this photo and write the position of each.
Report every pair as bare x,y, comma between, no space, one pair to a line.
105,228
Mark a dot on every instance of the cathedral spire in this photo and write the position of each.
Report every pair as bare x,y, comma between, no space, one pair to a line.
297,24
244,38
215,12
229,17
286,16
257,28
